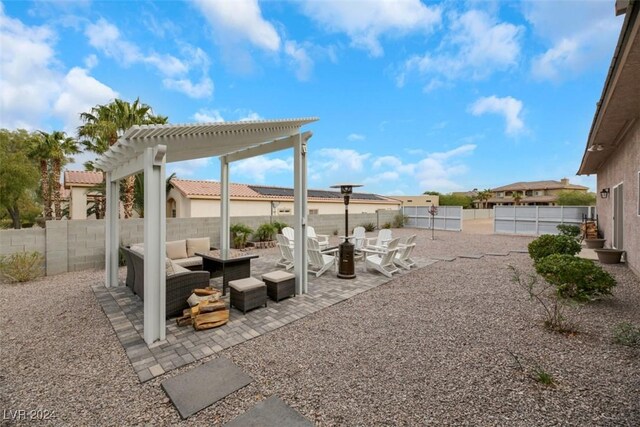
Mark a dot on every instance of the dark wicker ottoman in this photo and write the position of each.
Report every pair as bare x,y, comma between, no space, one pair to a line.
280,284
247,294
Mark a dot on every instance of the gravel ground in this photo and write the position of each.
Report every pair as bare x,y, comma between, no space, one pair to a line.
430,347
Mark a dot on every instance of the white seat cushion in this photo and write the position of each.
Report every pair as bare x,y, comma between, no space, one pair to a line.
242,285
201,244
188,262
278,276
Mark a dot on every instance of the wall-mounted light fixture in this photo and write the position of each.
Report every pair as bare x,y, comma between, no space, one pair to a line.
604,193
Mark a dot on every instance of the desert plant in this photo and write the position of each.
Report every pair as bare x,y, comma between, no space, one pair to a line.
386,225
553,308
569,230
399,220
22,266
369,226
577,278
279,226
240,234
265,232
626,333
548,244
532,369
335,232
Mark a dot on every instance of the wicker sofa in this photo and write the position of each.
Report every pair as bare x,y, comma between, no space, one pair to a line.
179,283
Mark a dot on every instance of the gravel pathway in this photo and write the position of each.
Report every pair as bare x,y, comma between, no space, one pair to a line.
431,347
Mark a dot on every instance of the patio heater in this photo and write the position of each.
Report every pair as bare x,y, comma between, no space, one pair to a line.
346,266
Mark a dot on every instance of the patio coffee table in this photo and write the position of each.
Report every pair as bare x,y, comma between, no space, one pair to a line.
232,265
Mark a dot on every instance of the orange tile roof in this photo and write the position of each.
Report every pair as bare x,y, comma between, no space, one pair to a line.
539,185
193,188
82,178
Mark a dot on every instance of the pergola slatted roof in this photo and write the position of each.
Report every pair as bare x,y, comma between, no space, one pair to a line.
229,137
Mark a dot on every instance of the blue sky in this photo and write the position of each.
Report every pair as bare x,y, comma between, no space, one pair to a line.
411,96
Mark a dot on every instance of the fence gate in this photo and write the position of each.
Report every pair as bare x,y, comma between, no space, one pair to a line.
536,220
448,217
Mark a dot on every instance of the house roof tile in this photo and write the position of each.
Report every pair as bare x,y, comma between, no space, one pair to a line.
82,178
539,185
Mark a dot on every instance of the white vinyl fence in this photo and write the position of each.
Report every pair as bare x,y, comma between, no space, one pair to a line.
536,220
448,217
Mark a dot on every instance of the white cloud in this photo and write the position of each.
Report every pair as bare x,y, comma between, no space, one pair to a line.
356,137
91,61
258,168
509,107
239,21
438,170
477,46
578,37
205,115
188,168
106,37
80,92
365,22
343,160
300,61
33,84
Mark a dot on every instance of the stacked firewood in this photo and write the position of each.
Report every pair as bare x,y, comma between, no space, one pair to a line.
589,230
206,310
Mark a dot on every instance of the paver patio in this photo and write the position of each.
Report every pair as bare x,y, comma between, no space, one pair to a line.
184,345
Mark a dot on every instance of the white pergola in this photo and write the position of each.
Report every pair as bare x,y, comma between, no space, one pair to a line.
148,148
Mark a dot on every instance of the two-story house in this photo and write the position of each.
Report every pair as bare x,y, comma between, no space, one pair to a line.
532,193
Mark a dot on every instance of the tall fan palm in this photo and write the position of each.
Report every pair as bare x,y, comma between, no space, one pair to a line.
105,123
517,196
484,196
53,151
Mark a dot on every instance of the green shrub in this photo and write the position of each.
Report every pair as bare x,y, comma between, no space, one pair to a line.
399,220
577,278
548,244
386,225
265,232
569,230
279,226
240,234
369,226
626,333
22,266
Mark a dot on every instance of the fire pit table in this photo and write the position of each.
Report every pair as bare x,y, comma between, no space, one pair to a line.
231,265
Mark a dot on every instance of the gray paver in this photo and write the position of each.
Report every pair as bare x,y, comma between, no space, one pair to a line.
272,412
204,385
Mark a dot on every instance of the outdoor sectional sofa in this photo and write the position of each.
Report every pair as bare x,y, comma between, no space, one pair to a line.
180,281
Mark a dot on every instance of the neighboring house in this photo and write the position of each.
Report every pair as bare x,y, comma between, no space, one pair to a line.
78,184
613,146
421,200
533,193
191,199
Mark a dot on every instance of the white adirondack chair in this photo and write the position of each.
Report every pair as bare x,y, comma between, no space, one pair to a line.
323,239
286,255
403,256
380,241
383,262
358,240
318,262
289,234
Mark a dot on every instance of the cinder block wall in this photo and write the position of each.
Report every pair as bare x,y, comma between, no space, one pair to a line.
27,239
79,244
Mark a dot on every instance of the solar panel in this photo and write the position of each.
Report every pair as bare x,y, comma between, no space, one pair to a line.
321,194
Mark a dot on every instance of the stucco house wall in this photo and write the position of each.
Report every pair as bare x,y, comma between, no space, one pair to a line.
623,167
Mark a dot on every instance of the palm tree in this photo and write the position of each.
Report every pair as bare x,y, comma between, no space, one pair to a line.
484,196
104,124
52,151
517,196
138,201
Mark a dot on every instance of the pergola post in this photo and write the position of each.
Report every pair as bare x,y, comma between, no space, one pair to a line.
112,240
224,203
154,244
300,213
